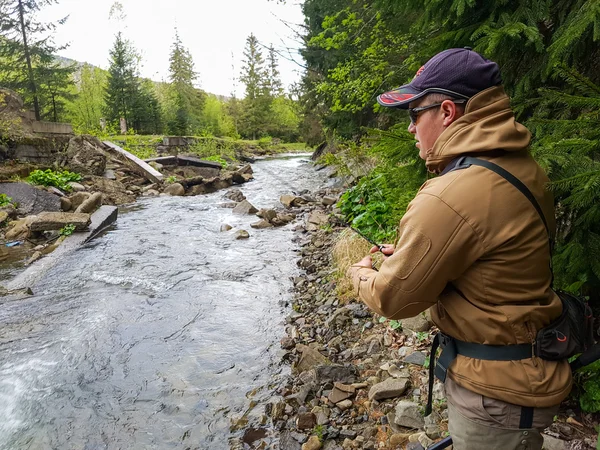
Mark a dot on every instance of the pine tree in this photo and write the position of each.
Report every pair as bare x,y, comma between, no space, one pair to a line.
122,90
257,101
26,53
274,78
187,101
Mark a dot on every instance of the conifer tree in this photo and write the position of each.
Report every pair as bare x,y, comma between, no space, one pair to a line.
186,100
122,90
275,84
26,53
257,101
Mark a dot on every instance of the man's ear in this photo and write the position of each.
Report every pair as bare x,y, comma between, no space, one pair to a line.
450,111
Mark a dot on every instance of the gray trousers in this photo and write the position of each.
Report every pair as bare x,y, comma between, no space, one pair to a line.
477,422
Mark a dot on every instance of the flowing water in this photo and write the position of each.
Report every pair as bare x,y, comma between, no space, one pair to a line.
159,334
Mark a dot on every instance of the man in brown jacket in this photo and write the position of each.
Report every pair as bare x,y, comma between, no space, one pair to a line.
473,250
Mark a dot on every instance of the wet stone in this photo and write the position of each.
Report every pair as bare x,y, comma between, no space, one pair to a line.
416,358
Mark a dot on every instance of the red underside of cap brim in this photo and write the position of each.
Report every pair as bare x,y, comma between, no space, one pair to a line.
395,98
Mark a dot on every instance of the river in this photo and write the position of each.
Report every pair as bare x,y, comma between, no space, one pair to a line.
159,334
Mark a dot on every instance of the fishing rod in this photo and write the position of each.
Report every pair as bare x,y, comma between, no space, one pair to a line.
365,237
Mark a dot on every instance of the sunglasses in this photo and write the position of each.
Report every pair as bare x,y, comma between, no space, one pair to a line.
413,113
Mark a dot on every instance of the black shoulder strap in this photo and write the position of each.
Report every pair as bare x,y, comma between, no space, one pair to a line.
467,161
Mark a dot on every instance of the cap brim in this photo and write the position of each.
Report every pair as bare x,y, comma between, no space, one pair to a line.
399,97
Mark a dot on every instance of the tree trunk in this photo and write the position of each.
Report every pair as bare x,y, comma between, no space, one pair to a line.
36,105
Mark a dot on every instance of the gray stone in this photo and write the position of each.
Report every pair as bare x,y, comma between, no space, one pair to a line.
341,392
552,443
390,388
317,218
261,224
287,441
92,203
77,187
57,220
417,358
86,155
31,200
335,372
408,415
310,359
241,234
329,201
344,405
235,195
348,434
244,207
175,189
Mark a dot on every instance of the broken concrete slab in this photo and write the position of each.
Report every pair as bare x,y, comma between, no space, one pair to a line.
180,160
144,168
100,220
47,221
31,200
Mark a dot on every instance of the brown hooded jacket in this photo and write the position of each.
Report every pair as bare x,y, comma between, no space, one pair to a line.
473,249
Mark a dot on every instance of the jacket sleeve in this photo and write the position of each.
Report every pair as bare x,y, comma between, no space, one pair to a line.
435,246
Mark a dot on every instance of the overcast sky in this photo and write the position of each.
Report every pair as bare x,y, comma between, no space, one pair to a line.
213,31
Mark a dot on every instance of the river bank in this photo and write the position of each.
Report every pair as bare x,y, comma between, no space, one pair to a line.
358,381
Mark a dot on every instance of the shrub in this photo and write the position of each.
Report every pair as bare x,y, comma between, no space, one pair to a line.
51,178
5,200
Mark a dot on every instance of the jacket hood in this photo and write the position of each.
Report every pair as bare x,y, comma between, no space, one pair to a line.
487,125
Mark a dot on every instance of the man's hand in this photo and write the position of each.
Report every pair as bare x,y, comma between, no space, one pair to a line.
386,249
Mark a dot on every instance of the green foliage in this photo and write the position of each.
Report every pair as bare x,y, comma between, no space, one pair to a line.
67,230
393,324
5,200
49,177
587,382
319,431
171,179
88,105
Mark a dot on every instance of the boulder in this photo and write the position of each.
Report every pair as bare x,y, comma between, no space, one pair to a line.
3,216
31,200
19,229
244,207
261,224
417,323
114,192
77,187
86,155
241,234
313,443
341,392
287,200
225,227
78,198
175,189
305,421
65,204
56,220
91,204
390,388
329,201
267,214
236,195
282,219
310,358
408,415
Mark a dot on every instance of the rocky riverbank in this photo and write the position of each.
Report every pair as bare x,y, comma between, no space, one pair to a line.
358,381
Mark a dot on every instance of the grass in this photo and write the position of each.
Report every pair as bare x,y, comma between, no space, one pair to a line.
349,248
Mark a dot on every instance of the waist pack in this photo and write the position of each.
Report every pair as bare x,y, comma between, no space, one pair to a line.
572,333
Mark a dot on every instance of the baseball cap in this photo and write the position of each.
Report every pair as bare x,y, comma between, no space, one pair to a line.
457,72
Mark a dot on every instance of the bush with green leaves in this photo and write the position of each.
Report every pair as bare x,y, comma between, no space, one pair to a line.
58,179
5,200
67,230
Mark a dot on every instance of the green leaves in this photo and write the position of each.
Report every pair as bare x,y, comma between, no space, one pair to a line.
51,178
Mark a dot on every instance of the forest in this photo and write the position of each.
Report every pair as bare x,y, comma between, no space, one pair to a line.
549,55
